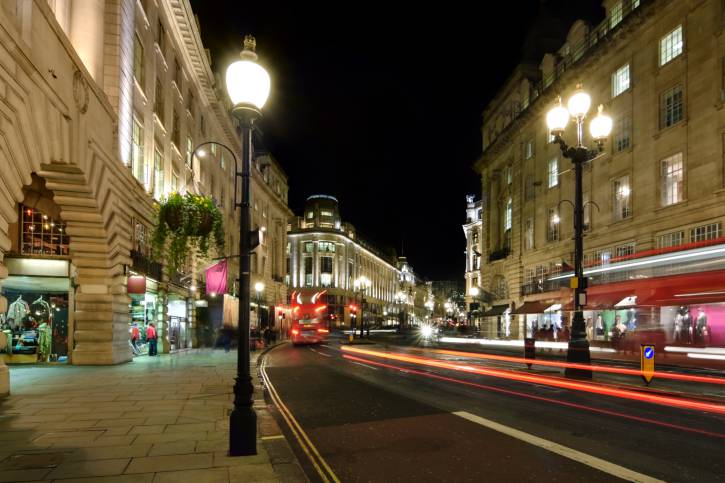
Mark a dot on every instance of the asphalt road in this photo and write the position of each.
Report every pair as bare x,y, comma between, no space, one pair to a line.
376,419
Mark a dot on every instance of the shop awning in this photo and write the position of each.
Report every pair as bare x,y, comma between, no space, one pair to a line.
495,311
530,308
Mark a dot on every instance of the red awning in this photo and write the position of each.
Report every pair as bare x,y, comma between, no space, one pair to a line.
531,308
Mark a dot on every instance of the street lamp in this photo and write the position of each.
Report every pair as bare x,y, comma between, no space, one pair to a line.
259,288
248,88
361,284
600,127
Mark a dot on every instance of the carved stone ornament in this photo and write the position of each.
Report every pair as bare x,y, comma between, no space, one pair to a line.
80,91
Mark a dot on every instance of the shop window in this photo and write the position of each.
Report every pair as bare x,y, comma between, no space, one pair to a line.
41,234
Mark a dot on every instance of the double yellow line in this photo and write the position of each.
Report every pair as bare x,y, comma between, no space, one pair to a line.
318,462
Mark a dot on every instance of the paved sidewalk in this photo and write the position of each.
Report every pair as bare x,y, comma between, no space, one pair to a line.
156,419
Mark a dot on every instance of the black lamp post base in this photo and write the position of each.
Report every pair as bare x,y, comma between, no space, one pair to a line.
243,432
578,353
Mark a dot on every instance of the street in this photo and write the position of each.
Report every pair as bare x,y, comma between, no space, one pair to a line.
373,418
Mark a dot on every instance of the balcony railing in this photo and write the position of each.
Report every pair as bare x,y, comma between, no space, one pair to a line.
541,286
144,265
499,254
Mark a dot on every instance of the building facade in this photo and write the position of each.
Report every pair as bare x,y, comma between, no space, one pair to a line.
657,187
107,100
473,231
325,253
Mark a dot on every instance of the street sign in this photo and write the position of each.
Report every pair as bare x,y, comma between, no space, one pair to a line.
647,362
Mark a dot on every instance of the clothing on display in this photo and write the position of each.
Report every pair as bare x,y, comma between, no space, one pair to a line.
17,312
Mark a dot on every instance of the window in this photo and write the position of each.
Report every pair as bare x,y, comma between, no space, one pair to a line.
310,215
138,70
324,246
138,162
509,175
553,172
623,132
508,214
309,247
529,234
635,4
671,179
474,238
213,150
621,192
529,187
161,37
325,213
671,45
326,271
176,130
177,73
602,257
308,271
190,102
159,101
529,149
189,150
711,231
41,234
552,234
174,181
222,161
620,80
158,174
529,276
624,250
671,107
676,238
615,15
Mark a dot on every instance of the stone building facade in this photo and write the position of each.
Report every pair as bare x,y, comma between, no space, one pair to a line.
473,231
656,66
105,101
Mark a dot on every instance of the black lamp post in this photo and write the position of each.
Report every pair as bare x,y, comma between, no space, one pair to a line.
361,284
248,87
600,127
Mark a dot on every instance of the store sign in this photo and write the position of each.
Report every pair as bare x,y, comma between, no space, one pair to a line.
37,267
647,362
136,284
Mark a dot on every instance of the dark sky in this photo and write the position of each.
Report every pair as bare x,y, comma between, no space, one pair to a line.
381,106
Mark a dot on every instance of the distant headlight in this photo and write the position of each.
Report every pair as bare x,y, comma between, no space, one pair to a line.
426,331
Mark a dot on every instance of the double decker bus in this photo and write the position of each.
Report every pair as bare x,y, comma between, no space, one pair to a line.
309,317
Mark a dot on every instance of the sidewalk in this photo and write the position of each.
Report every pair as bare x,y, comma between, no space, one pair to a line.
160,419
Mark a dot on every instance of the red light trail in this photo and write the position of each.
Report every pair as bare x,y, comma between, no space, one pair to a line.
538,398
681,403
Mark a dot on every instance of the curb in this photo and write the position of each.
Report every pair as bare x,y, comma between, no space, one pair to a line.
281,455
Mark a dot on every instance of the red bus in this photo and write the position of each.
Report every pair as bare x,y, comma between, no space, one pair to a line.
309,317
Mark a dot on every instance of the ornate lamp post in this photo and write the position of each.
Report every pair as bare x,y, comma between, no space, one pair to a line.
361,284
248,87
600,127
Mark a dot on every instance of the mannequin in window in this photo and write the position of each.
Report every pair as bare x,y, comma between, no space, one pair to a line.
687,326
41,310
702,331
599,326
680,330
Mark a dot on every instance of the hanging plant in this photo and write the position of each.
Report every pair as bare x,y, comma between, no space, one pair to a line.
186,224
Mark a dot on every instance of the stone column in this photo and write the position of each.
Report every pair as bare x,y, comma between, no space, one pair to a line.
162,326
86,34
4,372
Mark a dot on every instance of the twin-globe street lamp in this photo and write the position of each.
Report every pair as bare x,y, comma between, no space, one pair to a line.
361,284
248,87
600,127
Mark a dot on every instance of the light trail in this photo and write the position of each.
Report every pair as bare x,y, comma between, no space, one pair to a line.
546,344
538,398
591,367
681,403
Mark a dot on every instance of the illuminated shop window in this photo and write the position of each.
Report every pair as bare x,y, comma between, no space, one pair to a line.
41,234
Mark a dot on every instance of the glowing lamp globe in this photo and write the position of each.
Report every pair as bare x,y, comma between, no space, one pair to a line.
579,103
259,286
601,125
557,119
247,81
474,291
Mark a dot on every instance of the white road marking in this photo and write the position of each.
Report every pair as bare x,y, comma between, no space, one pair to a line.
593,461
364,365
321,353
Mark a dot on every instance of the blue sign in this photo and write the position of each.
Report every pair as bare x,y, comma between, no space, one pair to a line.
649,352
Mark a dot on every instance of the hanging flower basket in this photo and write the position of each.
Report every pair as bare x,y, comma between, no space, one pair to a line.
185,225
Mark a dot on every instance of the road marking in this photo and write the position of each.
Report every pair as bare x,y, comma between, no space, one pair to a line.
310,450
276,436
572,454
364,365
321,353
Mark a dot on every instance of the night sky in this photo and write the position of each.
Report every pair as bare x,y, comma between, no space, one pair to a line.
381,106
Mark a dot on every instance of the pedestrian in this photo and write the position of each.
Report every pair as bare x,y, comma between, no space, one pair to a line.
135,336
151,338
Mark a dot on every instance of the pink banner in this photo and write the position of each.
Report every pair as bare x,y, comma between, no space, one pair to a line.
216,278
